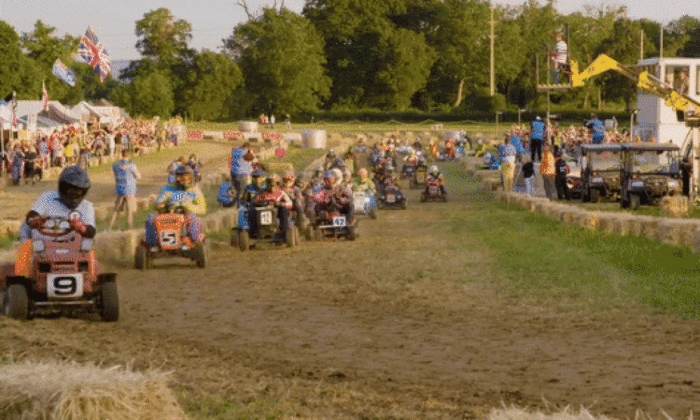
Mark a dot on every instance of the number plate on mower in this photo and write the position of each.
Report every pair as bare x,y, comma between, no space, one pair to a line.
390,198
339,221
64,285
169,237
266,218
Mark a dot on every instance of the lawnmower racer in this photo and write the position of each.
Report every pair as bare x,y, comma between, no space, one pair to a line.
434,175
182,193
339,196
66,203
256,186
273,195
363,182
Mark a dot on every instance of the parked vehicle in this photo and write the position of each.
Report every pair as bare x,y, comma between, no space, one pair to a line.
600,172
649,172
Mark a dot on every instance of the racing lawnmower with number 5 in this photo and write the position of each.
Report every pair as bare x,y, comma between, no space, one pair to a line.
176,230
56,270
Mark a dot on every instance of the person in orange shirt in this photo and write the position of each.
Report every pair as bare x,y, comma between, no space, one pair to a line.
547,171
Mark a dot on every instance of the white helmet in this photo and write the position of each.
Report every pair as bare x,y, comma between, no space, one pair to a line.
433,170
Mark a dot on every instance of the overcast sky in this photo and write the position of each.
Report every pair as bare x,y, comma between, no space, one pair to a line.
114,21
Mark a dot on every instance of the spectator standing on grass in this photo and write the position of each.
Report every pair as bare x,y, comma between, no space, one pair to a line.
506,157
241,168
529,177
272,121
548,171
125,176
562,169
537,131
288,121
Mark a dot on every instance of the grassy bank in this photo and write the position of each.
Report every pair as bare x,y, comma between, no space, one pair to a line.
548,263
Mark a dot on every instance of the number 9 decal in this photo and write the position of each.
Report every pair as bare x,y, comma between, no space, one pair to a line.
64,285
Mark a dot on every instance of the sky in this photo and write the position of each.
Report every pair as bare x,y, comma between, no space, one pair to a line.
114,21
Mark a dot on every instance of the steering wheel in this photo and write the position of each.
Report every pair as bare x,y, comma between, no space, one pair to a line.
55,227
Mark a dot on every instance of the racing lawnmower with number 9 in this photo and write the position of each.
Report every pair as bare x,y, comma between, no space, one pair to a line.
56,271
267,218
176,229
334,214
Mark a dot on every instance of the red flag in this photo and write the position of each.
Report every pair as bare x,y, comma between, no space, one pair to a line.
280,152
44,97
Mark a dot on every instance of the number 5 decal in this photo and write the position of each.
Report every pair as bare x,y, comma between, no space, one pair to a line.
168,237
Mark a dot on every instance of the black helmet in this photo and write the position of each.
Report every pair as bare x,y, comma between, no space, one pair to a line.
73,185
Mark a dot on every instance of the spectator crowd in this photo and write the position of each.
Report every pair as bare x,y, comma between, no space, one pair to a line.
77,145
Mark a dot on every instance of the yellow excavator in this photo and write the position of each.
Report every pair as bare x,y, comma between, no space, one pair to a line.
644,81
672,98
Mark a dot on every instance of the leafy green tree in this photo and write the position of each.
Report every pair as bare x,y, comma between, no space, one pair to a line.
209,86
623,46
10,60
161,36
282,58
150,92
366,48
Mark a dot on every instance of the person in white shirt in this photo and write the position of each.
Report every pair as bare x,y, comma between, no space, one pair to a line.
560,57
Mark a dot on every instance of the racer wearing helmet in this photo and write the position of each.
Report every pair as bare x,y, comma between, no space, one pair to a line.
256,186
346,175
450,149
435,176
294,192
172,168
339,196
182,193
363,182
273,195
68,202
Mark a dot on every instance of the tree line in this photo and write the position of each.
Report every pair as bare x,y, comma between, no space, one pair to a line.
350,55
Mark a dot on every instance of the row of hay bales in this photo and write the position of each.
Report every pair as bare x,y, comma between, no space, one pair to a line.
671,231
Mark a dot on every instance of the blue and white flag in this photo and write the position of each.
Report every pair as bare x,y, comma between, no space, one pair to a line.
64,73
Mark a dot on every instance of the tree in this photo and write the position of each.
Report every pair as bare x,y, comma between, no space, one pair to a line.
150,92
209,85
281,56
10,60
43,48
372,61
161,36
623,46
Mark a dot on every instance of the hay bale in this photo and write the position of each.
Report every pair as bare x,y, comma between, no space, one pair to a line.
621,224
212,223
696,242
514,413
688,232
649,226
590,220
572,215
606,222
67,391
499,195
541,206
492,184
674,206
229,219
669,232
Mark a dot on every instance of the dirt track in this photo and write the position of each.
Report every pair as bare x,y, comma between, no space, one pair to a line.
394,325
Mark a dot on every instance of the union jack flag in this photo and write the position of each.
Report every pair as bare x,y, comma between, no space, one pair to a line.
92,52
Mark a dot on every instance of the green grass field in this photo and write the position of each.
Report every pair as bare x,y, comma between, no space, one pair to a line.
571,268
